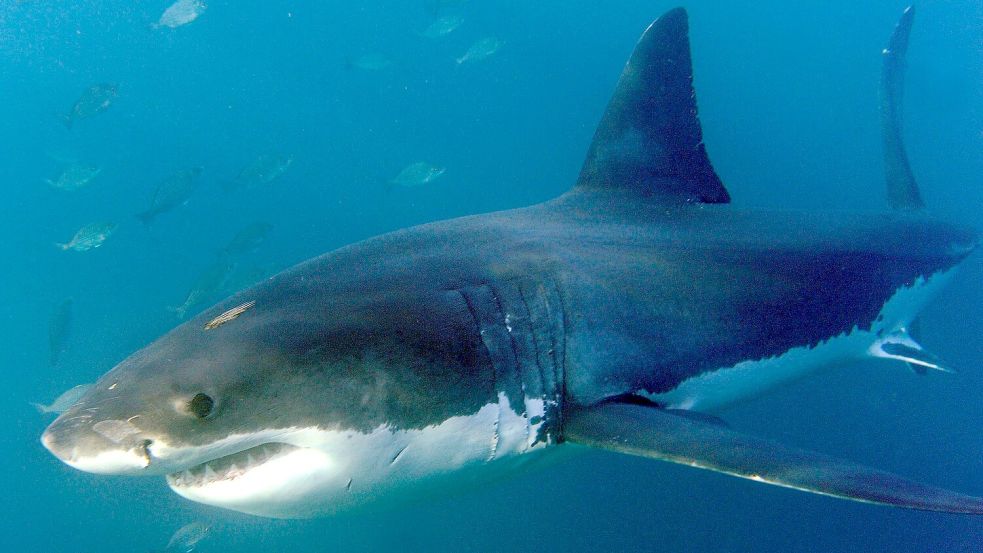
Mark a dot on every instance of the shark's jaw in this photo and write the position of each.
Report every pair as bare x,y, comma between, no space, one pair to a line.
273,479
301,472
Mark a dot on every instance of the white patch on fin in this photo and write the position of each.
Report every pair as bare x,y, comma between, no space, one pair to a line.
900,346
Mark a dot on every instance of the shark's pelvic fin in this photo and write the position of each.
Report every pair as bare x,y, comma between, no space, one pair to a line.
901,346
649,139
902,190
651,432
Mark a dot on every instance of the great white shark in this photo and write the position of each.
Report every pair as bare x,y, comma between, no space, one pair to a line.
621,315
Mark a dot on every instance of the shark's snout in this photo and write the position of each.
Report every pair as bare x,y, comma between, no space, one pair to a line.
101,447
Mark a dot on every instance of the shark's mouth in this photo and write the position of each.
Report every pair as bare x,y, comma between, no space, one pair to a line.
230,467
274,479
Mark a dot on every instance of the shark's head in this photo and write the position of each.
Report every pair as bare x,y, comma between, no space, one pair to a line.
314,399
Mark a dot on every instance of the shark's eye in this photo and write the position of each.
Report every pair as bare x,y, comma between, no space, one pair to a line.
201,405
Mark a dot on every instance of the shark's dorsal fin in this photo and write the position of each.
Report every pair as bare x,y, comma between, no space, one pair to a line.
902,190
649,140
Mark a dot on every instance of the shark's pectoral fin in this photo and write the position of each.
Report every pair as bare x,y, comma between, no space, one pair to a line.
651,432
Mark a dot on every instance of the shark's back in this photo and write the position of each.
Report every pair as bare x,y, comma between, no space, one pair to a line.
667,284
658,296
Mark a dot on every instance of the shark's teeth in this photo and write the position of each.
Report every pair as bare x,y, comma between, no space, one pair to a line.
228,467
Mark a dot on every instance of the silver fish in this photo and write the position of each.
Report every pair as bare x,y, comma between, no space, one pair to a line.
171,192
63,402
481,50
59,328
265,169
74,176
417,174
90,236
180,13
187,537
96,99
443,26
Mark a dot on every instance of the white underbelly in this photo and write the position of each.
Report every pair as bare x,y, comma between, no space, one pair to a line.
330,471
717,389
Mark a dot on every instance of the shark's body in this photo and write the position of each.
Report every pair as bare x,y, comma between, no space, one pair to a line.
460,350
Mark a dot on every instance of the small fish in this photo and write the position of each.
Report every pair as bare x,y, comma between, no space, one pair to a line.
180,13
65,401
171,192
74,176
417,174
187,537
443,26
96,99
247,239
481,50
370,62
59,329
90,236
229,315
214,277
265,169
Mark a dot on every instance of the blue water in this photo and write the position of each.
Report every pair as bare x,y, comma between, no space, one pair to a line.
788,101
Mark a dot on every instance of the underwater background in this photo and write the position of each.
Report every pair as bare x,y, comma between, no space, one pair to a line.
354,92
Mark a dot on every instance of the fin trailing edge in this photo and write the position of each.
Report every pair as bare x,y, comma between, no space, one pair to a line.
649,140
902,190
653,433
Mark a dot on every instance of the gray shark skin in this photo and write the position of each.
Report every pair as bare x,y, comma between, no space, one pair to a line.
460,351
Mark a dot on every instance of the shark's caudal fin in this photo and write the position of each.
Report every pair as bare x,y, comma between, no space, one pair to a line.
651,432
902,190
649,140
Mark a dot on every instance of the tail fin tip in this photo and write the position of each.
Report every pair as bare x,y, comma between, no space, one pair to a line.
902,190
